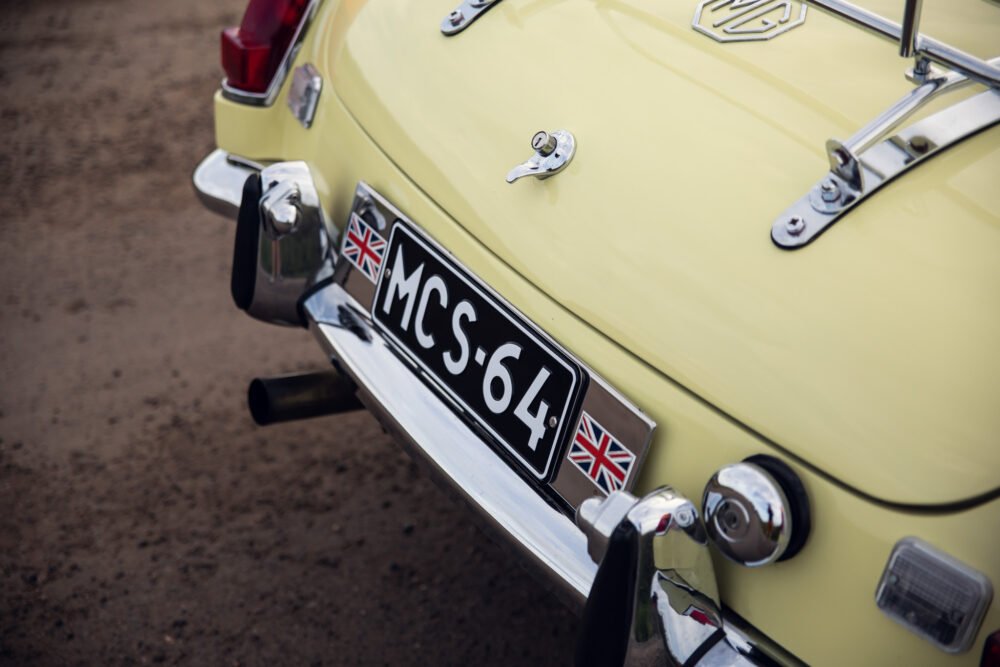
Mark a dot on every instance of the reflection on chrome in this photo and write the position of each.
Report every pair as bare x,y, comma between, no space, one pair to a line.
291,249
748,515
655,600
660,550
431,429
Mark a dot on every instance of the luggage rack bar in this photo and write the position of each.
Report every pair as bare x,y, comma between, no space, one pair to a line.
913,43
873,156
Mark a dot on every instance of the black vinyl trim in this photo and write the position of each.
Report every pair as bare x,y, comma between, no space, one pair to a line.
607,617
244,272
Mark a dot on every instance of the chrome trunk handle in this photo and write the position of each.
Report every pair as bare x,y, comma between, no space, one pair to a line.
553,151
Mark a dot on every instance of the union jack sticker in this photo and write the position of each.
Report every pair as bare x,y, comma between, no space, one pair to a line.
599,456
363,247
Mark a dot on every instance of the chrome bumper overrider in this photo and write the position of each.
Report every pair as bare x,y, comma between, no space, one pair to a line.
654,596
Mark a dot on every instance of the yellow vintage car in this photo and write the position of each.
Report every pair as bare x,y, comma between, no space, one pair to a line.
696,303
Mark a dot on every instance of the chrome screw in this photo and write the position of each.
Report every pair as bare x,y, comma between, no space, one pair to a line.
920,144
795,225
456,17
684,517
829,190
552,422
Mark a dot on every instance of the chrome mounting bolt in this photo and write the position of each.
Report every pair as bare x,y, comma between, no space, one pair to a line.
795,225
456,17
684,517
920,143
829,190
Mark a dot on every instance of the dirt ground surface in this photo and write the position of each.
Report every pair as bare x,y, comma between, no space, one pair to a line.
143,517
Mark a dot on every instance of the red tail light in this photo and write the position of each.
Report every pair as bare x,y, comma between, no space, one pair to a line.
991,651
252,52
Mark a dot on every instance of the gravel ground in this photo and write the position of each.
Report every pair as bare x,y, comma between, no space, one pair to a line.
143,517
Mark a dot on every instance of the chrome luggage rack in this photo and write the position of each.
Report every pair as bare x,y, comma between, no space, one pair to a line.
872,157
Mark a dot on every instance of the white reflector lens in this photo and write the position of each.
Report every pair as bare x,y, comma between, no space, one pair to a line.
933,595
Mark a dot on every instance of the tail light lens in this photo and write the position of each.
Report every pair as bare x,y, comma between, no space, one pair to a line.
991,651
253,51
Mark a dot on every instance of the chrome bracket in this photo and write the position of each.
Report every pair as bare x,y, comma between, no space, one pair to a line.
860,166
463,15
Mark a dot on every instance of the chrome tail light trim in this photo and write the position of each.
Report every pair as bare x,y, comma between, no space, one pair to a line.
268,97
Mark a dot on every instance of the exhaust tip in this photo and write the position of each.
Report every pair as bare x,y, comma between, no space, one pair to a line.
292,397
259,402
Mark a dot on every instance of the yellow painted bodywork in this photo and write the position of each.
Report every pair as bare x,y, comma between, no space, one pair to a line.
868,354
872,356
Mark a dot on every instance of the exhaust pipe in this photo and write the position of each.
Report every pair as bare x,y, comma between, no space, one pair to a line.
291,397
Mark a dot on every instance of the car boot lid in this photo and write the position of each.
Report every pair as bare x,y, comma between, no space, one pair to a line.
870,354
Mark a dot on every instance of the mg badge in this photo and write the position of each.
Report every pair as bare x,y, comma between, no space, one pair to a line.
747,20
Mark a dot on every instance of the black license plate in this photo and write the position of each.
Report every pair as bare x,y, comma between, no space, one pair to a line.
501,371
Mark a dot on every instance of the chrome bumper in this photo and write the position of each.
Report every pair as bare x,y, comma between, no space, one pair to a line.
219,179
432,431
548,539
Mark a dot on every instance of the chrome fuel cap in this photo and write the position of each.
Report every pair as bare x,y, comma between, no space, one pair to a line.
748,515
